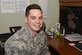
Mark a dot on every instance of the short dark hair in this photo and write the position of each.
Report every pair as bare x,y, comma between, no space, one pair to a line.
32,6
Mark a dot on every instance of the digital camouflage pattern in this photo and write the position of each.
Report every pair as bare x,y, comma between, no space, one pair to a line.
23,43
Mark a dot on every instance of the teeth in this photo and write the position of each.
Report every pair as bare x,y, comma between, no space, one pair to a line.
37,25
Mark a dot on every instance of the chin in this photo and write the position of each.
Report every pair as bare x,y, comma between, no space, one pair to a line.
37,29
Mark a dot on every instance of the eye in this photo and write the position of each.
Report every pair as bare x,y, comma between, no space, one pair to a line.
33,17
40,18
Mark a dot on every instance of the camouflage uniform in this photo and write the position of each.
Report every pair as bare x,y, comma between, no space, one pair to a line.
23,43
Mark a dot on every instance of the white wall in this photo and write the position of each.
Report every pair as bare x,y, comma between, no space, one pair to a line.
16,19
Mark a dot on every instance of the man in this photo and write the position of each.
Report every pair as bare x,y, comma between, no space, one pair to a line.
29,40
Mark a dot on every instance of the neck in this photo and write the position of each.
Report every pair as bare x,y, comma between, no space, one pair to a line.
32,32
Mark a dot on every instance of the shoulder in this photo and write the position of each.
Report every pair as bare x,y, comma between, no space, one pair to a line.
15,44
15,47
18,35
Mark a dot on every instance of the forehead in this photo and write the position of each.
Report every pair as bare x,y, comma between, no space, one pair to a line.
35,12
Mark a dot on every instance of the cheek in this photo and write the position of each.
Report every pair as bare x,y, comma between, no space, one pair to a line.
29,21
41,21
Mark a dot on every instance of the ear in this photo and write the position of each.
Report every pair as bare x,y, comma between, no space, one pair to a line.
25,19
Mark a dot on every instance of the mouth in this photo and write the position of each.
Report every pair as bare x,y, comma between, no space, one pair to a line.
37,26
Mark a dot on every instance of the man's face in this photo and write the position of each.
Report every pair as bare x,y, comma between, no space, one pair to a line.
34,20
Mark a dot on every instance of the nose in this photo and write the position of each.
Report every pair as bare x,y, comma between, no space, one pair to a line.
38,20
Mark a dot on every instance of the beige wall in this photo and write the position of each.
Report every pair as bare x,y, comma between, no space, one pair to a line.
16,19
